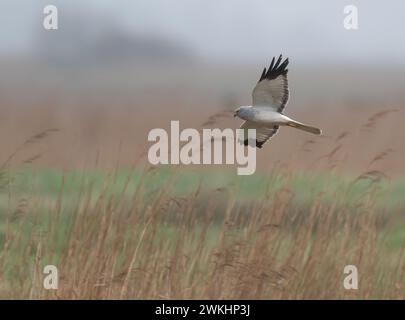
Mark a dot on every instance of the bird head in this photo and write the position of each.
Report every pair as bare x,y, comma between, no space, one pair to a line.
243,112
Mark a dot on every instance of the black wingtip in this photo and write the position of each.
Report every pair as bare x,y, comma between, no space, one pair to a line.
276,69
258,144
263,73
272,63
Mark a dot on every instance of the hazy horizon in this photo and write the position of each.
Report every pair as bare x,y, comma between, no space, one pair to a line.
238,31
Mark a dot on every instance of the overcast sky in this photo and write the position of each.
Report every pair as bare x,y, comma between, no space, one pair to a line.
240,30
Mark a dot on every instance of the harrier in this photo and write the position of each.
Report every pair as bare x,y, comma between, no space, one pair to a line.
270,96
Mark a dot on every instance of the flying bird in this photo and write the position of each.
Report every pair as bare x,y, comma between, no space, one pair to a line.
270,96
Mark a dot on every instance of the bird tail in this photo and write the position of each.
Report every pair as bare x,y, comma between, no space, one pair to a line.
304,127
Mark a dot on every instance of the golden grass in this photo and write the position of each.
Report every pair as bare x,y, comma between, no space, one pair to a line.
207,245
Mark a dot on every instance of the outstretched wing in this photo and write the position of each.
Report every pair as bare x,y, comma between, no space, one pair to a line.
263,133
272,89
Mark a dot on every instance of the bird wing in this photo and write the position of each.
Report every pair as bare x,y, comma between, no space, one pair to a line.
263,132
272,88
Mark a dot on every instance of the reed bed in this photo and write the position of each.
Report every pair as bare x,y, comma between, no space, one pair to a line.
138,242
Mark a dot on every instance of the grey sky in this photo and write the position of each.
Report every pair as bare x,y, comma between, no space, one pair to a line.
237,30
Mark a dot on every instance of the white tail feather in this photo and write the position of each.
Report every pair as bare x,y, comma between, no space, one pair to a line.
304,127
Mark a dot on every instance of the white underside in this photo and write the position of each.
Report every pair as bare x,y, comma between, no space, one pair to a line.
266,115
